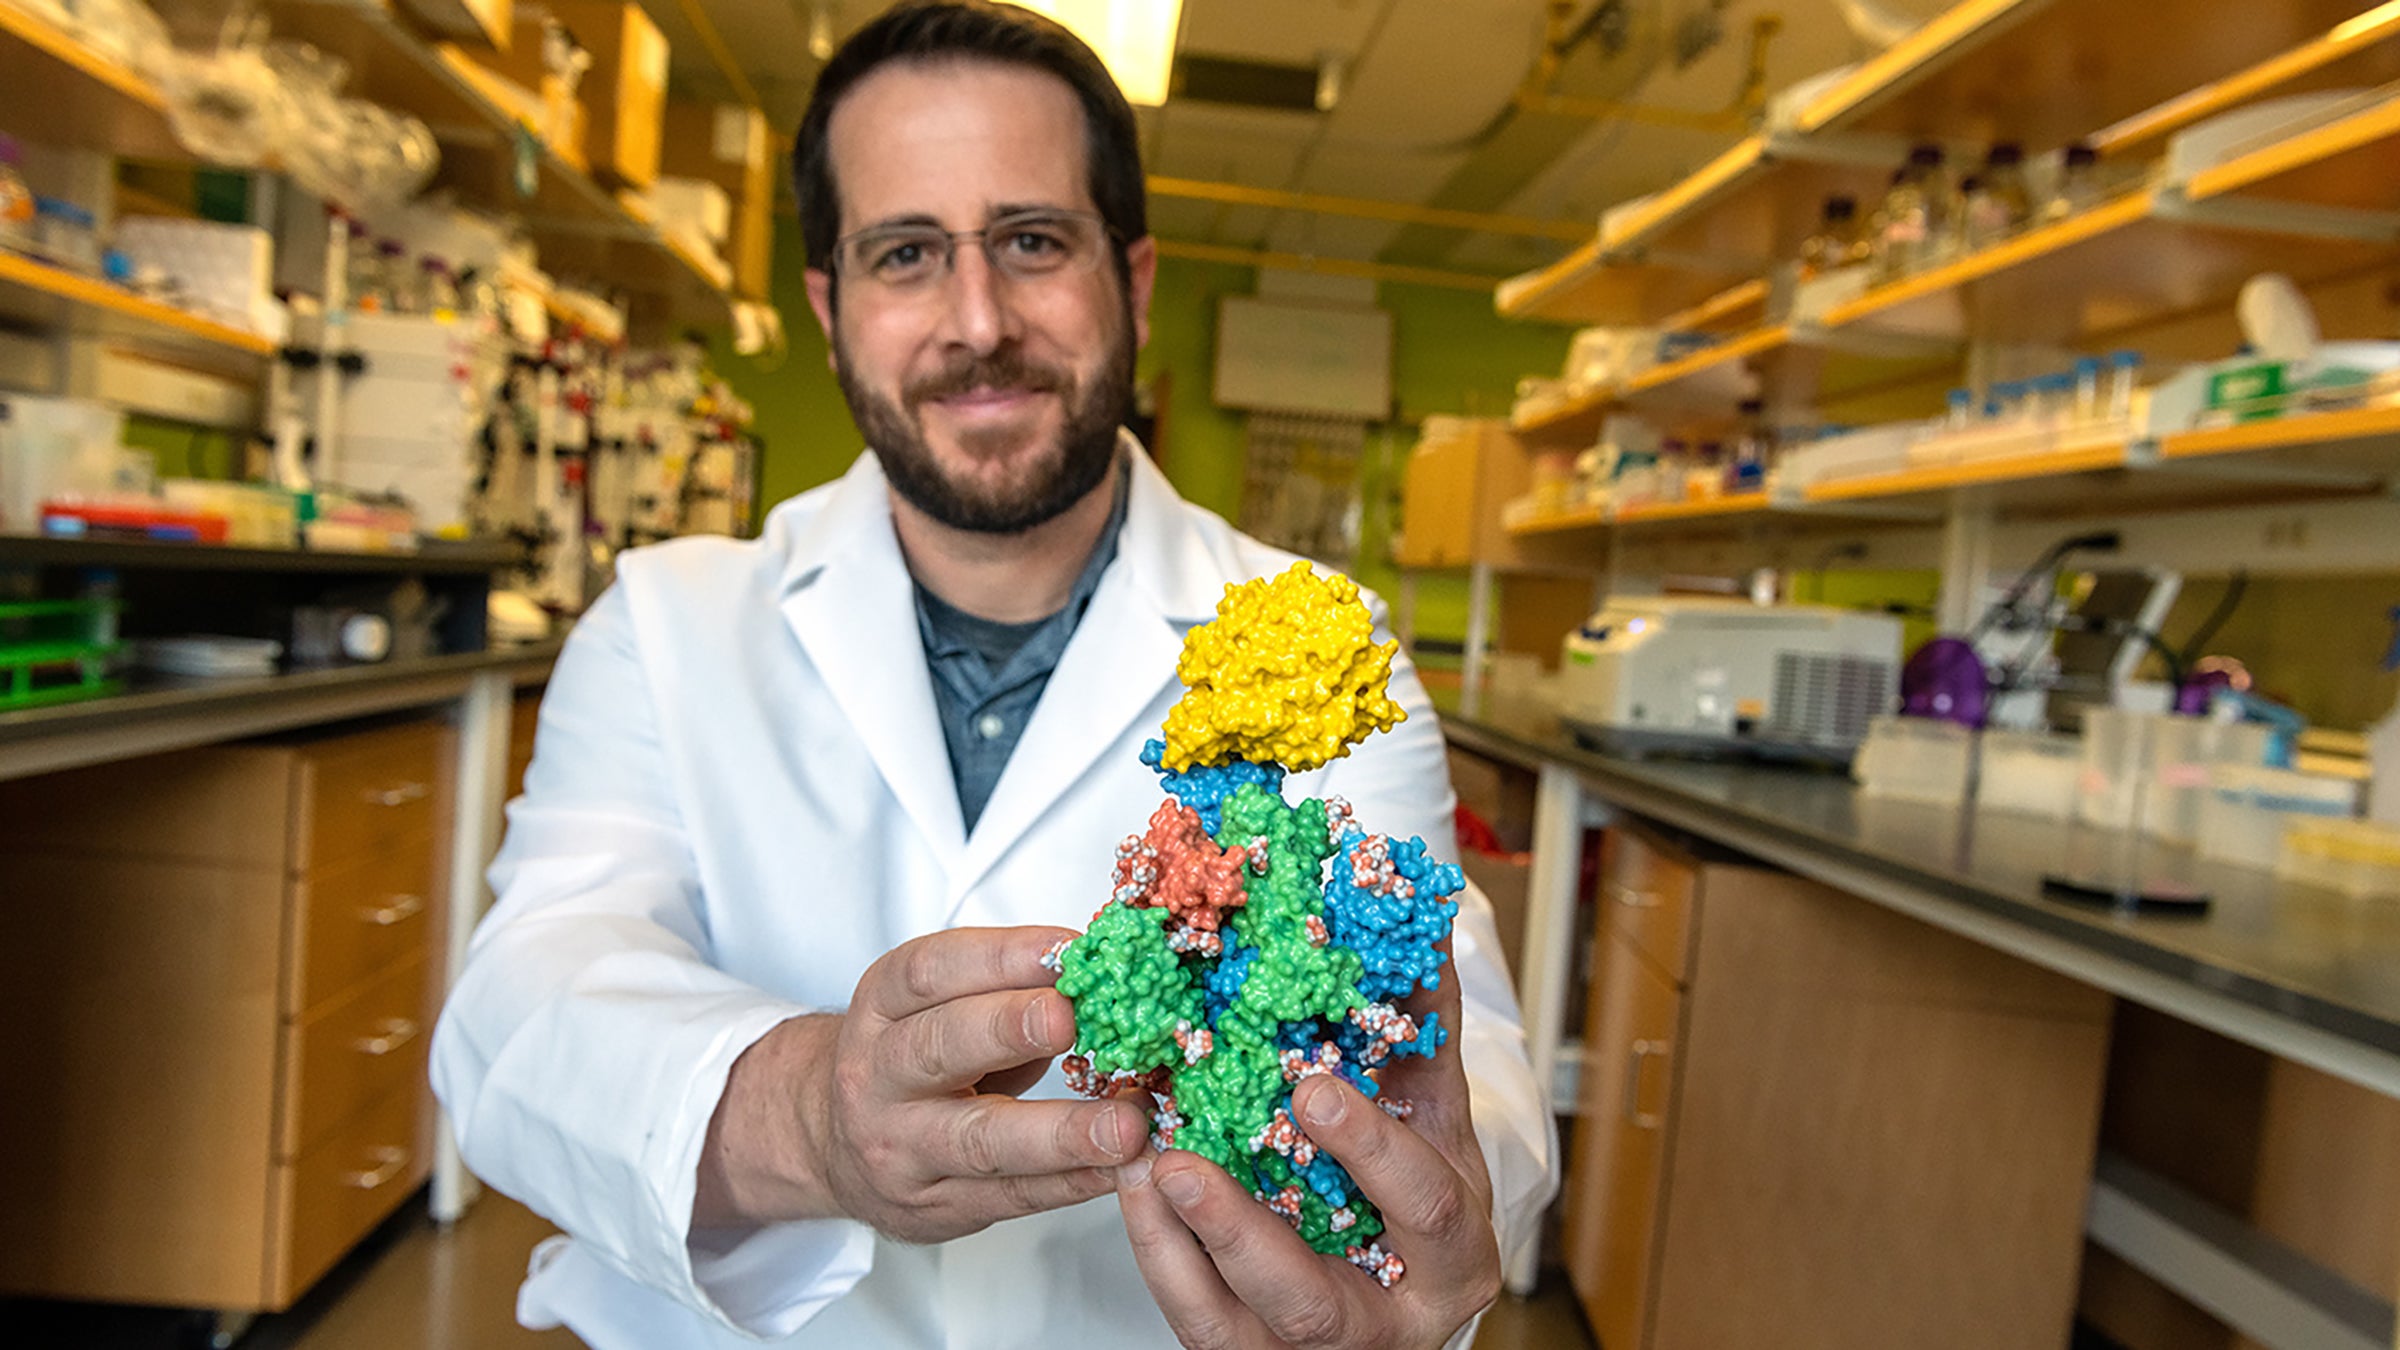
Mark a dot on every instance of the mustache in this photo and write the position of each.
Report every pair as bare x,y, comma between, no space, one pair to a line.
1003,369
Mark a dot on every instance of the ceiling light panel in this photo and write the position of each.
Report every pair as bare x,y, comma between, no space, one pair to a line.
1135,39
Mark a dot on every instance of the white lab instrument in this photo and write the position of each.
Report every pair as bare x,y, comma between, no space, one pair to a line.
1687,674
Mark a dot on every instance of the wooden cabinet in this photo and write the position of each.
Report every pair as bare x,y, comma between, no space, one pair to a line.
1810,1122
217,969
1451,495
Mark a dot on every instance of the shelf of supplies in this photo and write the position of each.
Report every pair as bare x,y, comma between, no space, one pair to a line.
580,229
2113,270
37,295
1661,379
2352,161
2036,72
87,99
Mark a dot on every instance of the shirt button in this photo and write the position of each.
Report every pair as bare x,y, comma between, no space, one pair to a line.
989,726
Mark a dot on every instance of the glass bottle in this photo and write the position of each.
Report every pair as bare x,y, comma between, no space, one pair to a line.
1915,216
439,287
1753,448
2078,187
2000,204
400,295
1837,242
16,199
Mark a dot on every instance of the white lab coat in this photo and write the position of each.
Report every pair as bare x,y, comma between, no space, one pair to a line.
739,799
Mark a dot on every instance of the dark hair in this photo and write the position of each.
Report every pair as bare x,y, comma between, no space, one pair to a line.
974,30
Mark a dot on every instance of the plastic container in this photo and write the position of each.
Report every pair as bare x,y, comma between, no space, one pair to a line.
2000,204
16,200
2356,857
1913,227
2243,817
2183,752
2116,767
2030,773
1918,759
66,234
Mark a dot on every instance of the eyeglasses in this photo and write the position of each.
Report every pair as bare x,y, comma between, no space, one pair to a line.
1023,246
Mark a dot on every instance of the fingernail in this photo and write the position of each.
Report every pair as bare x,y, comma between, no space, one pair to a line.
1327,1105
1108,1131
1181,1188
1037,1024
1133,1174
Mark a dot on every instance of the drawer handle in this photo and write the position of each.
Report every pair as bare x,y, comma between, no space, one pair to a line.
397,796
402,908
394,1033
1633,899
389,1162
1639,1119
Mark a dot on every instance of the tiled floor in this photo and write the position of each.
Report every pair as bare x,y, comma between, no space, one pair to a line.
414,1286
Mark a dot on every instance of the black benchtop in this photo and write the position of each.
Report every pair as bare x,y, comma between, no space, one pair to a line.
2315,956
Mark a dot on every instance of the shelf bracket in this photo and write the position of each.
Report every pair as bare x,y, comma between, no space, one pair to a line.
2278,217
1854,150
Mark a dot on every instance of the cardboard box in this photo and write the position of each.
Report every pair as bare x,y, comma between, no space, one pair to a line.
624,94
732,146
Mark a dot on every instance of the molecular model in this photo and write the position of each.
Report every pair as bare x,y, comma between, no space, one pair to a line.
1252,942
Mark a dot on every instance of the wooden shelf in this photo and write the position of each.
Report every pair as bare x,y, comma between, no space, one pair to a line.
2379,427
85,100
2352,161
2357,53
1734,504
1942,478
436,558
1562,522
2091,279
2039,73
37,295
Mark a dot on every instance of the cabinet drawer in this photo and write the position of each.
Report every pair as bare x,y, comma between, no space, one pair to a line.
357,1049
366,793
337,1191
1629,1108
358,918
1647,893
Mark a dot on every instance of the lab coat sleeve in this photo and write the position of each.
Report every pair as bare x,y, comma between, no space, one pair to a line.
1399,784
585,1046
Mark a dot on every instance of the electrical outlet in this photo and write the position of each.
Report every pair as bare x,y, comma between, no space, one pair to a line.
2285,532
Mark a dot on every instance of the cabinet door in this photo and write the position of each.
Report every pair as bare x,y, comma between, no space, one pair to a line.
1620,1142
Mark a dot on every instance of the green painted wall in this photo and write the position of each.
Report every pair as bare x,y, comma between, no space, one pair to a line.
1451,354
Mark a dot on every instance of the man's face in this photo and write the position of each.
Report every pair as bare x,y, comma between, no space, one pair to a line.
993,401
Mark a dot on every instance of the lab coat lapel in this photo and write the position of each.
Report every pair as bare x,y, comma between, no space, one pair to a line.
848,598
1122,656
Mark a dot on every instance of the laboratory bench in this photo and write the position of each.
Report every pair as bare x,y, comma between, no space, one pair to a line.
236,904
1856,1043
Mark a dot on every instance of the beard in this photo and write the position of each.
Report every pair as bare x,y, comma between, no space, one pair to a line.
1051,479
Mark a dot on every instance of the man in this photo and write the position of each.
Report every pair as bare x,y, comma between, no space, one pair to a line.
759,1018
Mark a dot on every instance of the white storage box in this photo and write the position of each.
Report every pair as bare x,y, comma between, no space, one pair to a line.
1918,759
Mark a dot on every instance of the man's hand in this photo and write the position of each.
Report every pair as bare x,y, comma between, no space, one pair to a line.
901,1113
1229,1273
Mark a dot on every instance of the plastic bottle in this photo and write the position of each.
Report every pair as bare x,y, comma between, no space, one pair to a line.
2125,368
1915,219
2078,184
1962,410
2087,389
1999,204
1836,243
16,200
1753,449
370,292
438,287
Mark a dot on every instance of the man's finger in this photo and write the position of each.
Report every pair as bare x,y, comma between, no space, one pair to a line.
1425,1202
1302,1297
997,1198
995,1136
1185,1283
956,963
955,1045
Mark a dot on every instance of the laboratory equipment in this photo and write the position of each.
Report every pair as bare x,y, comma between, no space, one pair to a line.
1706,675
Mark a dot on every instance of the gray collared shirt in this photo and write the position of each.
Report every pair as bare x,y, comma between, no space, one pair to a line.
987,677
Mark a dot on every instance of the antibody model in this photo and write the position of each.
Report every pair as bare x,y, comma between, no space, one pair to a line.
1249,942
